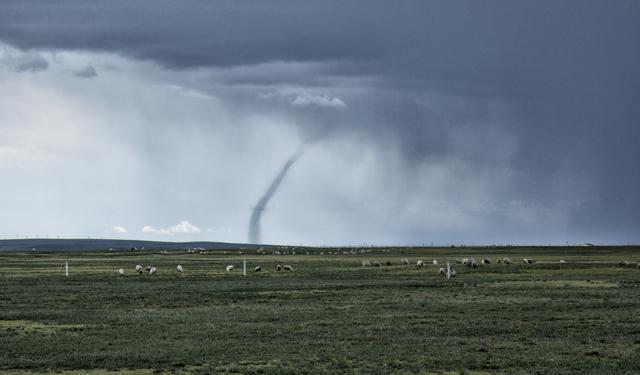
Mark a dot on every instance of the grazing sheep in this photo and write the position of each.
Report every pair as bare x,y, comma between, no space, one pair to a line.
419,264
404,261
148,268
152,270
229,268
287,267
139,269
366,263
562,261
470,262
435,262
121,271
377,264
638,265
278,268
442,271
506,261
486,261
257,269
180,269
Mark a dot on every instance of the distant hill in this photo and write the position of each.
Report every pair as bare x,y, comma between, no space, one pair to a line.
42,244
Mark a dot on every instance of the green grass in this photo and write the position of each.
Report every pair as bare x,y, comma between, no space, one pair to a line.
328,316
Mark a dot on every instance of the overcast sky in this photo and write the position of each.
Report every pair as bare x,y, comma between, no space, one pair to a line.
413,122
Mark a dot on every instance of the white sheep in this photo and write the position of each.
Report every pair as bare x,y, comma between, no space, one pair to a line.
486,261
229,268
121,271
435,262
506,261
152,270
139,269
366,263
442,271
287,267
377,264
562,261
278,268
404,261
180,269
257,269
419,264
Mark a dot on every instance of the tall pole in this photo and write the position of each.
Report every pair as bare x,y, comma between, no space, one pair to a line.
244,267
66,268
448,270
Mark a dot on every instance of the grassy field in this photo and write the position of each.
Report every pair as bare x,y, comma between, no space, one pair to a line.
328,316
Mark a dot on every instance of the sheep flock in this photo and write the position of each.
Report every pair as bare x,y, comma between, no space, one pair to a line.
383,265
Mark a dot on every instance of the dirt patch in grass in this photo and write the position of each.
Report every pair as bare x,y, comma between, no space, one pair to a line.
553,284
28,326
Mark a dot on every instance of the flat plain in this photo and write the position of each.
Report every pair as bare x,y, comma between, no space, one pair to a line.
329,315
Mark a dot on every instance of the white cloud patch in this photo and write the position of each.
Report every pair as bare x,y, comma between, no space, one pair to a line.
151,230
304,97
319,100
119,229
183,227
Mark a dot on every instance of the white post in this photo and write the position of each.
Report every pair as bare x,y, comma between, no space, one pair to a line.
66,268
448,270
244,267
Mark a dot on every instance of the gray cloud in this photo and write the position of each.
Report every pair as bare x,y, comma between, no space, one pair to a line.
22,61
526,109
88,72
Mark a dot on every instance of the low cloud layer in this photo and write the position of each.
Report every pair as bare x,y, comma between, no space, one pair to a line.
500,122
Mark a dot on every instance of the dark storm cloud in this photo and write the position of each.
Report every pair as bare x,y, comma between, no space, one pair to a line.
565,77
88,72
